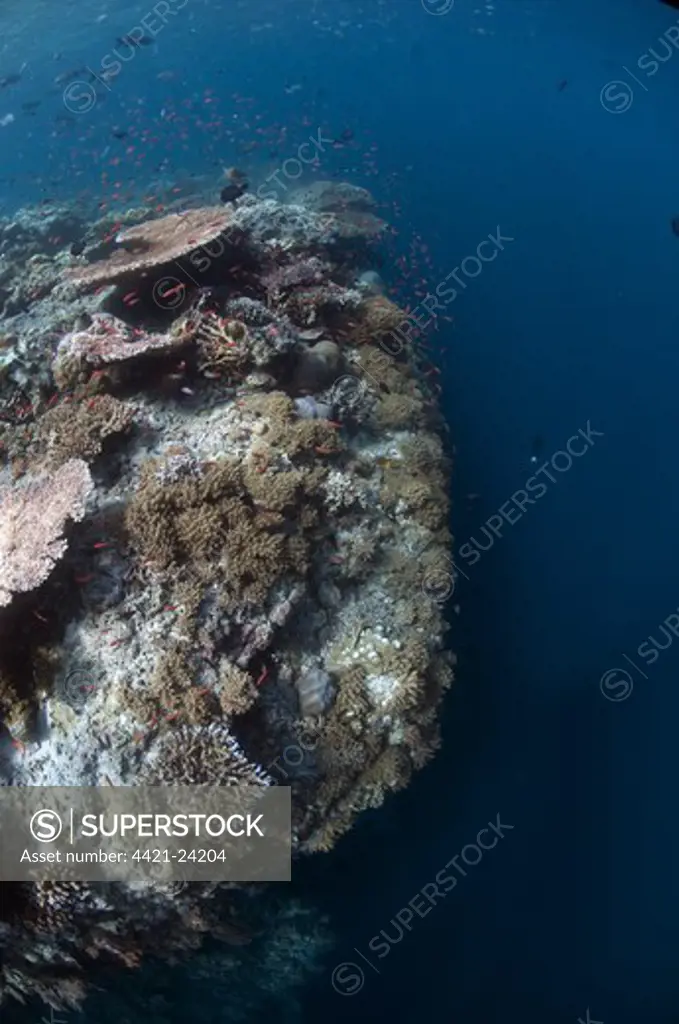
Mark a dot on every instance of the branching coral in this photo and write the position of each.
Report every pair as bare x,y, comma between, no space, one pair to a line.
80,430
236,689
375,318
201,755
210,521
399,412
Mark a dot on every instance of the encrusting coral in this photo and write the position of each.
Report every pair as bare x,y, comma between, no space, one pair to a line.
257,490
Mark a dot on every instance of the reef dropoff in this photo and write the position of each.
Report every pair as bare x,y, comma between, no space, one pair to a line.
224,486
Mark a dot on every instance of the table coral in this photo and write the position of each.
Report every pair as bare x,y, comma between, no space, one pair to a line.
157,243
33,515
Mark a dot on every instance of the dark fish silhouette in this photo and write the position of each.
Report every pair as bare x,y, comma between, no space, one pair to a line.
238,184
230,193
120,134
675,220
68,76
134,40
562,85
343,138
10,80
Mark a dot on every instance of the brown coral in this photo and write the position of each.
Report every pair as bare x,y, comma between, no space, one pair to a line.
237,691
426,502
398,412
383,372
209,521
156,243
80,431
205,755
376,317
32,519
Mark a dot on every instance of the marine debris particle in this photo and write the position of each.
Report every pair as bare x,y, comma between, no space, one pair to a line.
245,492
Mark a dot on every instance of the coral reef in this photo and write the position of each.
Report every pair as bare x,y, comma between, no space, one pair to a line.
252,488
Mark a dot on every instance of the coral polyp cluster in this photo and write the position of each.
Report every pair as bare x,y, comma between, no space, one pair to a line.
239,487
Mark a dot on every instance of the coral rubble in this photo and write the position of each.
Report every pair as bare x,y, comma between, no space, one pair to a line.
219,492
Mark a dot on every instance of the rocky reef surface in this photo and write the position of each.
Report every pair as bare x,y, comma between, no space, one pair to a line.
223,485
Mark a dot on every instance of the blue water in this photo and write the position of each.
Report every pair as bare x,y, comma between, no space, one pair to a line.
575,323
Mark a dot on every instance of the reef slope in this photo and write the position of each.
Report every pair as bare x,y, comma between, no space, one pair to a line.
223,501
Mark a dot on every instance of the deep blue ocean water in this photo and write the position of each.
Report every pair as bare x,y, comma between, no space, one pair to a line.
488,116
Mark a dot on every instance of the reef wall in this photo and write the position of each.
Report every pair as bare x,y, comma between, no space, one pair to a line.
221,489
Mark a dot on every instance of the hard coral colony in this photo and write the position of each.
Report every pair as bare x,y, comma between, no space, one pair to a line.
217,498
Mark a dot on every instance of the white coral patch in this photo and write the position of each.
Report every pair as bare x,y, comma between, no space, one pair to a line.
382,689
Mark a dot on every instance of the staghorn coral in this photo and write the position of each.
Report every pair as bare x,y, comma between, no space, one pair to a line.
418,494
307,436
32,520
255,560
172,696
171,523
280,491
399,412
382,372
209,520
